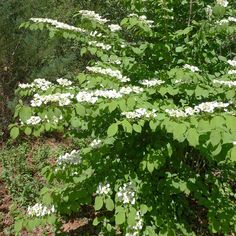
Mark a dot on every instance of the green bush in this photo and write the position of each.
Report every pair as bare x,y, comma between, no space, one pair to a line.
157,102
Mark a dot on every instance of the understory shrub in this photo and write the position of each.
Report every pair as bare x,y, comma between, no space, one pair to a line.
157,105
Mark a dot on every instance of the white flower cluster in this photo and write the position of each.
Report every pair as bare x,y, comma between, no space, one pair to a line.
232,62
143,18
209,11
62,98
95,34
93,16
192,68
39,83
100,45
108,71
232,72
224,82
33,120
58,24
135,229
96,143
126,194
151,83
139,113
72,158
227,21
64,82
103,189
116,62
39,210
93,96
208,107
223,3
114,27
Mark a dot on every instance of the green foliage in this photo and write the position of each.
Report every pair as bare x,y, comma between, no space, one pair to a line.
161,159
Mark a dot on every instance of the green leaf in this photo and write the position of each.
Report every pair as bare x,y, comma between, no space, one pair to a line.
127,126
150,166
120,218
112,130
137,128
131,102
179,131
131,217
25,113
192,137
179,49
233,154
80,109
215,137
75,122
219,11
112,106
98,203
109,204
18,225
28,131
14,132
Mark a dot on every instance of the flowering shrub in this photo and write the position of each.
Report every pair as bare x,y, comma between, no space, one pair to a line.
157,101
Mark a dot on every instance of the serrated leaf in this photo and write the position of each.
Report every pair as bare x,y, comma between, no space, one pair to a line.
233,154
192,137
137,128
80,109
28,131
98,203
127,126
25,113
112,106
120,218
131,218
14,132
215,137
109,204
112,130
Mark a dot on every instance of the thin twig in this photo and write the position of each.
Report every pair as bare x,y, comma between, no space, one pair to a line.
190,12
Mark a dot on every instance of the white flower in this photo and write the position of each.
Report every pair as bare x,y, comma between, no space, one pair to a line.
208,107
126,194
114,27
64,82
192,68
62,98
135,229
58,24
223,3
85,96
151,83
231,19
37,84
103,189
93,16
209,11
39,210
143,19
71,158
139,113
232,72
95,143
227,83
108,71
222,22
25,86
33,120
100,45
232,62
